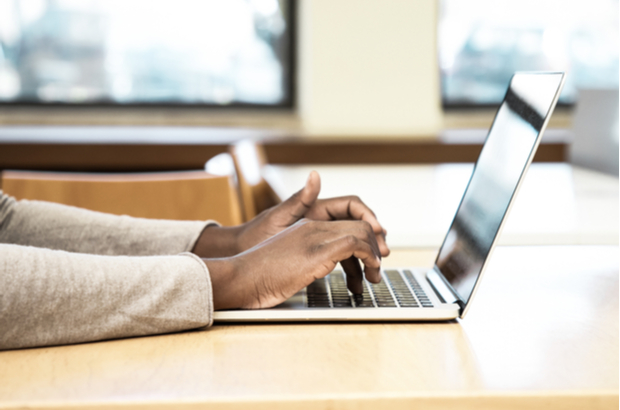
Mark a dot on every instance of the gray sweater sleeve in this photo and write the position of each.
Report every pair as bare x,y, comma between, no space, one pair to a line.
83,287
54,226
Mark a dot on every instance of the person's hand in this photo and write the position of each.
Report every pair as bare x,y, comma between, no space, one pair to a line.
304,204
227,241
274,270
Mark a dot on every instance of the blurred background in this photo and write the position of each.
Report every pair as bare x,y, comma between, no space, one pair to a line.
349,70
145,52
390,100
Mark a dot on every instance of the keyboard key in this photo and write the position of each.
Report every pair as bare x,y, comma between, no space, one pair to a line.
417,289
364,300
401,290
320,305
395,290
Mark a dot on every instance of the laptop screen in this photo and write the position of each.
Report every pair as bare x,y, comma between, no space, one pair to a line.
504,158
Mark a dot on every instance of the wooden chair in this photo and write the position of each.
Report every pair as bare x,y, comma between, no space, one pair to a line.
192,195
255,192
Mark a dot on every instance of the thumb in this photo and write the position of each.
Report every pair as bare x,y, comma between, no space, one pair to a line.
298,204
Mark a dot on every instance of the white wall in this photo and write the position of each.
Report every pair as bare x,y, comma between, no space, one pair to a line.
369,67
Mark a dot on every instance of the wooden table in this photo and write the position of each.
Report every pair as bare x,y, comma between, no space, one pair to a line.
558,204
542,333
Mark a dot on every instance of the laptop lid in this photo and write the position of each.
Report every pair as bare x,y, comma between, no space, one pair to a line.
505,157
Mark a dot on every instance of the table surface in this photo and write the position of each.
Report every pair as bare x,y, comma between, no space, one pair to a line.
542,332
557,204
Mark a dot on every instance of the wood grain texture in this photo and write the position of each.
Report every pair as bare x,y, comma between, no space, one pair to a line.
414,152
128,157
175,195
542,334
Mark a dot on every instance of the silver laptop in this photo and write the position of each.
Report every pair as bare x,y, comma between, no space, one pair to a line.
446,290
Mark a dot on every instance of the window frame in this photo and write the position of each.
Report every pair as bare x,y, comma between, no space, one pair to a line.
288,103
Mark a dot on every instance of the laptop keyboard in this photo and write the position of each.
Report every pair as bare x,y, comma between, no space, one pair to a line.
397,289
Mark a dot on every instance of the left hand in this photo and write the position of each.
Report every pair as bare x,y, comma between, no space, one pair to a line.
304,204
228,241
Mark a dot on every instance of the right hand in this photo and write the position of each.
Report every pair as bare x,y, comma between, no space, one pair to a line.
274,270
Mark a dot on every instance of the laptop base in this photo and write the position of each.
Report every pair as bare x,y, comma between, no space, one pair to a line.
295,309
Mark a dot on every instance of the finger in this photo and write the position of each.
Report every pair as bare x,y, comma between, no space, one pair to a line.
384,236
350,245
373,240
361,229
310,192
354,273
299,203
383,247
350,207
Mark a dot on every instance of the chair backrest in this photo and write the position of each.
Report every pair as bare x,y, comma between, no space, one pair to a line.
192,195
255,192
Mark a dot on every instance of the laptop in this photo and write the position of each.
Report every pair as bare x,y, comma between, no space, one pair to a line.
445,291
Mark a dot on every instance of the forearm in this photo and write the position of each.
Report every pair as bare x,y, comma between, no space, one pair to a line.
54,297
54,226
218,242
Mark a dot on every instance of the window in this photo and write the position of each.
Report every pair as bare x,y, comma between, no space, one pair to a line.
483,42
137,52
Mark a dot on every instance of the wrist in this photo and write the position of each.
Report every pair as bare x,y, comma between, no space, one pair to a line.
217,242
227,290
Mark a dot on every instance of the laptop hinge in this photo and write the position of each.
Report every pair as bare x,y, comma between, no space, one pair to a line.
442,289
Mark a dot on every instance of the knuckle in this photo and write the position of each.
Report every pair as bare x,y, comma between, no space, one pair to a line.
351,240
366,225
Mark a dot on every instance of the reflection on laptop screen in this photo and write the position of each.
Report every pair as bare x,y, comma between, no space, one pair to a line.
504,157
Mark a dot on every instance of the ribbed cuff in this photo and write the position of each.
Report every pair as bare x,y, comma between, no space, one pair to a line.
207,277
